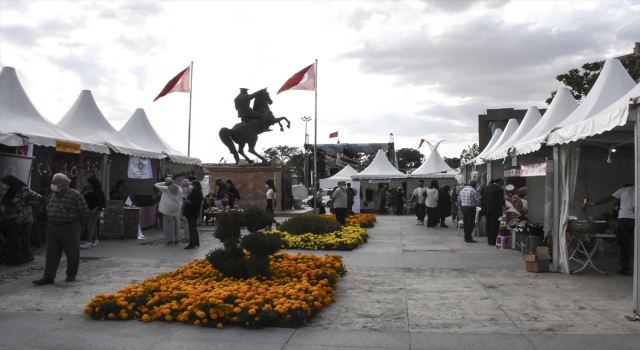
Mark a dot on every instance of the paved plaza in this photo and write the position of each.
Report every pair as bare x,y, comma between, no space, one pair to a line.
409,287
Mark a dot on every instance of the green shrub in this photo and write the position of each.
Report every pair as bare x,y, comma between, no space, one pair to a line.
255,219
315,224
261,244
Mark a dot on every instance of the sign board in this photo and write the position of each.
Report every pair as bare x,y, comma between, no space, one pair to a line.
67,147
379,181
512,173
139,168
534,169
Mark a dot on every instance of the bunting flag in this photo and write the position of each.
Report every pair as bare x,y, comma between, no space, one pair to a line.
333,134
421,142
179,83
303,80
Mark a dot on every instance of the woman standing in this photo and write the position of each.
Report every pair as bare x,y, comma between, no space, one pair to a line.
192,212
17,202
271,195
96,202
400,201
432,204
444,204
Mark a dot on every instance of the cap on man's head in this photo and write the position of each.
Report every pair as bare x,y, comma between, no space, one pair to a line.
342,182
168,180
244,89
473,183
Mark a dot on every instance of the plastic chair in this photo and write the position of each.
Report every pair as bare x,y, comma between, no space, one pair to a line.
503,241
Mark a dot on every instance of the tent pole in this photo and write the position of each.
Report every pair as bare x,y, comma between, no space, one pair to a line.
190,91
556,209
636,259
315,140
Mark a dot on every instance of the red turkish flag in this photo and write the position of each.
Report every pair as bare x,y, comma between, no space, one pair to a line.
179,83
333,134
421,142
303,80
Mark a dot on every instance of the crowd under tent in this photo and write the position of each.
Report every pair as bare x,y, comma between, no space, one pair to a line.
139,131
378,174
530,120
139,168
562,105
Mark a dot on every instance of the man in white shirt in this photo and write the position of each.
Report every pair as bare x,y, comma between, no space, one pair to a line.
170,205
419,196
626,222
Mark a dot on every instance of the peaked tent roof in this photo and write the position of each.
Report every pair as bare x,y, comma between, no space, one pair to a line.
496,136
346,172
510,129
139,131
85,121
615,115
529,121
380,168
432,165
561,107
613,82
18,115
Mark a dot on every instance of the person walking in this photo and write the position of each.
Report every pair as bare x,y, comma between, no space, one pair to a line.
444,204
626,222
468,200
17,201
492,205
391,201
233,194
400,201
192,211
67,212
271,195
94,196
432,204
351,195
383,199
419,196
170,205
339,197
319,204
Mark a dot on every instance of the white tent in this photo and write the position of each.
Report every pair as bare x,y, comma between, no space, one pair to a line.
615,115
19,116
380,168
492,142
562,105
509,130
85,121
139,131
12,140
342,175
530,120
434,167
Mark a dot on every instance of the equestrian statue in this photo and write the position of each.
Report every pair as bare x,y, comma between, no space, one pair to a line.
254,121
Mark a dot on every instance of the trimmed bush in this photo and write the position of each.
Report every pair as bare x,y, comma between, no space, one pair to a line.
315,224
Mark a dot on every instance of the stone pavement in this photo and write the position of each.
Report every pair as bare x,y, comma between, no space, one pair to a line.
408,288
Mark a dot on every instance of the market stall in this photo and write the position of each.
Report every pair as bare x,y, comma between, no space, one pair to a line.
374,178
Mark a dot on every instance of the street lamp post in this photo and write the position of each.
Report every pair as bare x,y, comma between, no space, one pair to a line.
306,156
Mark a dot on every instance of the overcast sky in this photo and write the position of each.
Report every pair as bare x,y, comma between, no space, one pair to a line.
417,69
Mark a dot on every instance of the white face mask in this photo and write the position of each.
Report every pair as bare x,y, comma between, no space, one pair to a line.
190,188
267,186
54,187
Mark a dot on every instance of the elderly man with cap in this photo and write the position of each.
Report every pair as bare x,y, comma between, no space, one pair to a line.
468,200
243,106
339,197
170,205
67,213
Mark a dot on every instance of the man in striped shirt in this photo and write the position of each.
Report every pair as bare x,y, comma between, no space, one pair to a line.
468,200
67,213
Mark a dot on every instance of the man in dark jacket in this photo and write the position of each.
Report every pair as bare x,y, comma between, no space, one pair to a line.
234,194
492,205
223,191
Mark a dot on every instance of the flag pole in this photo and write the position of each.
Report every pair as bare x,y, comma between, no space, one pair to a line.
315,140
190,92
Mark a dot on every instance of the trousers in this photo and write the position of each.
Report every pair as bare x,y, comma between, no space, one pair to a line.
420,211
492,228
468,221
194,237
625,241
341,213
171,227
65,239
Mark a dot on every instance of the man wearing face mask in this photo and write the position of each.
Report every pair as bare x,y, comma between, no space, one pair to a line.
67,213
339,197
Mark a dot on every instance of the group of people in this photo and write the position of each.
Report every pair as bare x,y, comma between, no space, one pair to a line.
432,202
174,201
392,201
491,202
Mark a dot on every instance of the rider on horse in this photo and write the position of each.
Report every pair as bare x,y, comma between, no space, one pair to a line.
245,113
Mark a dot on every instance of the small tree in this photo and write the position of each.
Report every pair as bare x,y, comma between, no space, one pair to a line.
409,158
469,153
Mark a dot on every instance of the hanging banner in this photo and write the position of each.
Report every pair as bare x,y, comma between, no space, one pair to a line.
140,168
67,147
534,169
379,181
512,173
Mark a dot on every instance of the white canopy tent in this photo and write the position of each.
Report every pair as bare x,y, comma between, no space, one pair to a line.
530,120
19,116
492,142
139,131
380,168
12,140
509,130
434,167
342,175
85,121
562,105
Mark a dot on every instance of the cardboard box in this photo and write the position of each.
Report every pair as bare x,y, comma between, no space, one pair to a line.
538,262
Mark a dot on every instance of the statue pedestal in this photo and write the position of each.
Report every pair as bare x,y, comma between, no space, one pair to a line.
250,182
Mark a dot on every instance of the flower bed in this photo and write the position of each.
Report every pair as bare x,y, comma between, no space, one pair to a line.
349,237
197,293
364,220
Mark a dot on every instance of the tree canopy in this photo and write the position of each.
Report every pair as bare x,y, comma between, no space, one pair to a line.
469,153
409,158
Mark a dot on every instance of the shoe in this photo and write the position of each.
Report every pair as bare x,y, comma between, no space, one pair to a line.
417,222
86,246
70,279
421,223
189,247
95,243
444,226
176,243
169,243
623,272
43,281
471,241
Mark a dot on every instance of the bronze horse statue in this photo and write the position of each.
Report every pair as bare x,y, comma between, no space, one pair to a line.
247,131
